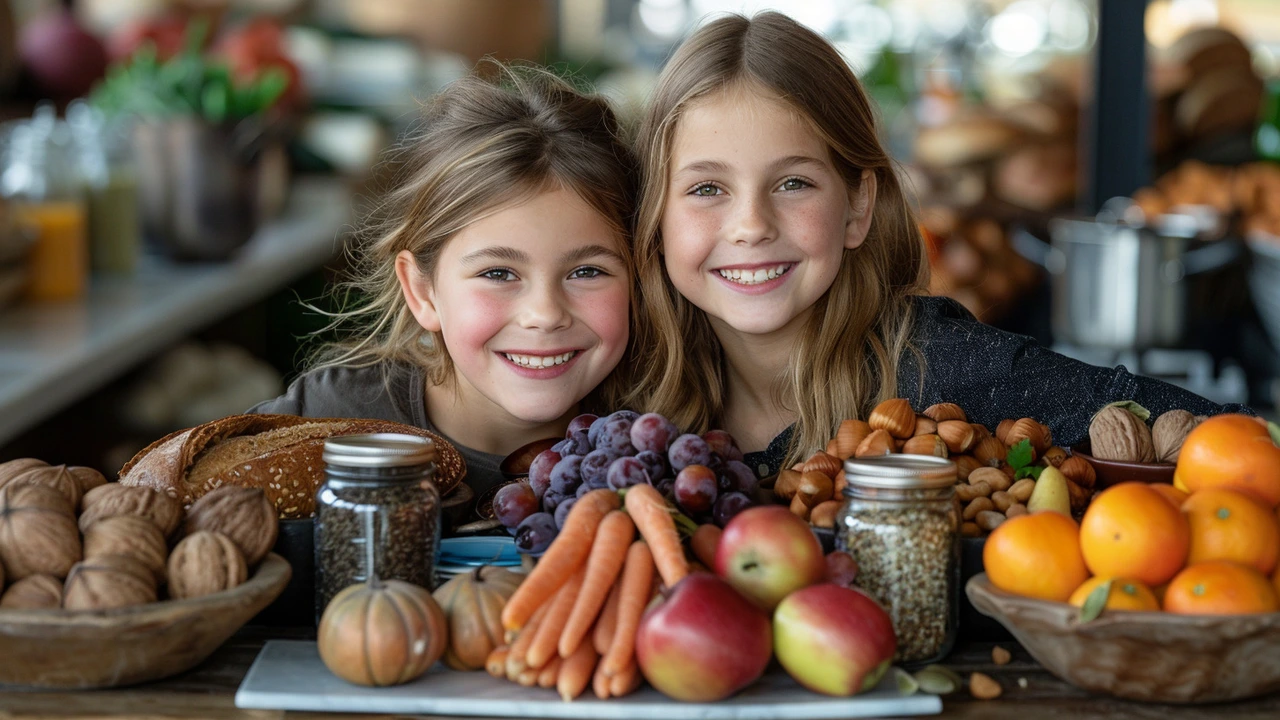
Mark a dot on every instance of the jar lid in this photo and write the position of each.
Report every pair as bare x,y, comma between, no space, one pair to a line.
904,472
378,450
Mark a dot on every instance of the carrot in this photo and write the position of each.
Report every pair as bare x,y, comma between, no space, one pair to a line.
548,637
516,661
600,683
602,634
651,515
637,577
547,678
603,565
564,556
704,542
575,671
528,677
496,663
625,682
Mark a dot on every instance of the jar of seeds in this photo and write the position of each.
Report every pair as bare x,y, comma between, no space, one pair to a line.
901,522
378,490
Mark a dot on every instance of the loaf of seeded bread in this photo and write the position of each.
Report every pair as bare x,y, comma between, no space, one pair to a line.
282,454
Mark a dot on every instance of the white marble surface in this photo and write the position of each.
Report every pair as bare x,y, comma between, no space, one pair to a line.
288,675
53,354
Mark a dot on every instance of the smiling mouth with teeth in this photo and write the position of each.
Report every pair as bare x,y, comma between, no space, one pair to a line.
755,277
540,361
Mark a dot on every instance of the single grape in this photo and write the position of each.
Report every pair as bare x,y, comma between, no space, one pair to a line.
566,475
540,471
735,476
695,489
595,467
551,500
593,432
655,464
722,443
616,436
581,422
688,449
579,444
728,505
535,533
563,446
625,472
653,432
513,503
562,511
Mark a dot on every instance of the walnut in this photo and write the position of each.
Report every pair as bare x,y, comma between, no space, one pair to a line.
204,563
54,476
243,514
87,477
116,499
37,532
34,592
14,468
1168,432
110,581
1117,434
136,537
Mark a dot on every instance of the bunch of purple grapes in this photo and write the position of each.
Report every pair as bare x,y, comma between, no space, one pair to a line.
703,475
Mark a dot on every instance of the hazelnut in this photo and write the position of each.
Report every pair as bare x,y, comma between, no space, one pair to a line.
116,499
787,483
1028,429
33,592
1117,434
1054,456
980,431
37,532
1002,431
110,581
1079,497
966,464
823,514
1168,433
130,535
814,488
926,445
204,563
991,452
1079,471
821,462
879,442
957,434
849,436
247,517
942,412
925,425
799,509
895,416
54,476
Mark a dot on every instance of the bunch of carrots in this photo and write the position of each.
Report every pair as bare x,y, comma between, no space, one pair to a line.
572,622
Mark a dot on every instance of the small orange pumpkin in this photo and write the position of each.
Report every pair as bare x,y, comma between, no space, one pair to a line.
472,603
382,633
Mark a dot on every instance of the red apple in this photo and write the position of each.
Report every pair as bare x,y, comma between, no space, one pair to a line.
833,640
767,553
842,569
702,641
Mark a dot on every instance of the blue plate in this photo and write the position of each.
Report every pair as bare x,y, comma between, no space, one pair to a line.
476,551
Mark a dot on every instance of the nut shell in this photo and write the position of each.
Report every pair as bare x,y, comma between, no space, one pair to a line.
57,477
13,468
247,517
1002,431
1079,471
822,462
116,499
1117,434
879,442
895,416
110,581
87,477
966,464
957,434
849,436
37,532
1168,433
925,425
926,445
136,537
204,563
990,452
1028,429
1055,455
942,412
33,592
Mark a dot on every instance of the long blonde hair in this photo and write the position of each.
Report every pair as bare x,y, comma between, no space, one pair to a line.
846,358
485,144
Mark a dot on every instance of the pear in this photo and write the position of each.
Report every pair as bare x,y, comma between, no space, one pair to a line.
1050,493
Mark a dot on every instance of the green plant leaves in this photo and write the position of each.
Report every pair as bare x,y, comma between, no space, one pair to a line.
1020,455
1096,602
1274,429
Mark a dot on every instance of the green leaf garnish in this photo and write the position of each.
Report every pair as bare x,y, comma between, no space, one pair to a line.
1274,429
1096,602
1020,455
1030,471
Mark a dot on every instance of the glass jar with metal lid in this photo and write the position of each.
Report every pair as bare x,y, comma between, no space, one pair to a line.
378,512
900,522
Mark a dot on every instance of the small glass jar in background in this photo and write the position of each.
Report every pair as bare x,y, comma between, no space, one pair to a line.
111,184
901,523
378,511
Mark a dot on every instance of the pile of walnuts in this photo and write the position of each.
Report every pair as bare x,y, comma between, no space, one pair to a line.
71,540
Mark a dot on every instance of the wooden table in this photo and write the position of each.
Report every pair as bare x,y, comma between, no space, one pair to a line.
208,691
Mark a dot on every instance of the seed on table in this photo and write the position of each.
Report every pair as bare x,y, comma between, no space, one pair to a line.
984,687
1000,656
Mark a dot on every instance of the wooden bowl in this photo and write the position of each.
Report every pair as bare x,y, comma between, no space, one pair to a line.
1150,656
1113,472
105,648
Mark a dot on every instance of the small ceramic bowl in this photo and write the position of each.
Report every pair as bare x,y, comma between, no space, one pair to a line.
1149,656
1113,472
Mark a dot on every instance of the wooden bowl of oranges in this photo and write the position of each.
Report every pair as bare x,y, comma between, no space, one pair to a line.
1155,595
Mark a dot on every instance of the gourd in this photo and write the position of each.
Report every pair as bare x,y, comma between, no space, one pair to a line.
472,604
381,633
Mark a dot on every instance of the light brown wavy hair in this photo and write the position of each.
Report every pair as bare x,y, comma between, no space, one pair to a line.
846,359
495,138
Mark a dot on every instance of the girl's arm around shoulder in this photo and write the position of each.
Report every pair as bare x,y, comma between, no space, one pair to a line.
996,375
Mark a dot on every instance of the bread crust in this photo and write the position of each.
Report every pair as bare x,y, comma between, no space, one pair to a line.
286,464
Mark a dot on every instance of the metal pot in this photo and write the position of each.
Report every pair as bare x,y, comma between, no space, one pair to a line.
1124,287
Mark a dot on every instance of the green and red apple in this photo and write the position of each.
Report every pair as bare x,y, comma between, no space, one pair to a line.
767,553
833,640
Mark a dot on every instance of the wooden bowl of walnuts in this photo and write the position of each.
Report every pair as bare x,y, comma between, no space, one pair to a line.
107,585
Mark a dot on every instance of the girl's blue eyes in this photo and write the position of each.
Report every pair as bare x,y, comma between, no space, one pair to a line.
791,184
586,272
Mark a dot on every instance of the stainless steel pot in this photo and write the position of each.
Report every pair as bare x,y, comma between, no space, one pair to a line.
1124,287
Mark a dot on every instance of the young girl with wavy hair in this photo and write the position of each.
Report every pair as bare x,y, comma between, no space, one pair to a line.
491,295
782,270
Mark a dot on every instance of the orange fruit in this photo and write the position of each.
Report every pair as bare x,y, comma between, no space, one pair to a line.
1229,525
1220,587
1131,531
1232,451
1170,493
1124,594
1036,555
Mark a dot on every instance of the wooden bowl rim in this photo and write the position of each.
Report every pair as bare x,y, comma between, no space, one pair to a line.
272,576
1082,449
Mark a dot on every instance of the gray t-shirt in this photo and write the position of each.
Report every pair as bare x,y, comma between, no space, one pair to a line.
389,391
